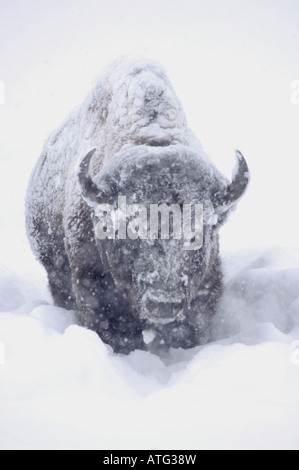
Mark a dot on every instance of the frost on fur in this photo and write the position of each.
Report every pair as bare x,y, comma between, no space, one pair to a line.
136,294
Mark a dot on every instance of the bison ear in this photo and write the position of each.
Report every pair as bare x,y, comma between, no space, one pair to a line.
89,190
228,197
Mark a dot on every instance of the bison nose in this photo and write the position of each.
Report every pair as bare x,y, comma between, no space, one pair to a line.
163,312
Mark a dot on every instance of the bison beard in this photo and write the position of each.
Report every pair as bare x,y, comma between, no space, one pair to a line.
136,294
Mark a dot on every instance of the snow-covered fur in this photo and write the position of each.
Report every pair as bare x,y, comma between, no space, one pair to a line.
145,151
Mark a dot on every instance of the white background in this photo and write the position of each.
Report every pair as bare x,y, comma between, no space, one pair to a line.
232,64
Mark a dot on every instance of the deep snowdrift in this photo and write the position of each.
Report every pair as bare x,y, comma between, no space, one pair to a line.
234,66
61,387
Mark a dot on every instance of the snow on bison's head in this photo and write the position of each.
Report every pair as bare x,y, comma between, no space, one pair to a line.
165,264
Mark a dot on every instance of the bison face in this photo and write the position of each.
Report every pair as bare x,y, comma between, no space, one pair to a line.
160,276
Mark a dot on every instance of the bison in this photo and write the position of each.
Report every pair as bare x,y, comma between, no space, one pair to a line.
130,139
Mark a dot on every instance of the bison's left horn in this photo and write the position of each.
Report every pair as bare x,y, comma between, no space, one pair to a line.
89,189
223,200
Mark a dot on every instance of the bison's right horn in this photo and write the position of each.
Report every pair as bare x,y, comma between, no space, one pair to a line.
89,189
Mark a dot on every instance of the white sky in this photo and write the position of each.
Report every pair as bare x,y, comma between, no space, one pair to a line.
232,63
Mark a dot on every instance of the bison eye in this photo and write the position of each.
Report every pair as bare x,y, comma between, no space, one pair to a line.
161,250
158,247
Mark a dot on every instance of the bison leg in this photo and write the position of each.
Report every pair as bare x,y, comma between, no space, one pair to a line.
59,276
51,252
100,305
48,245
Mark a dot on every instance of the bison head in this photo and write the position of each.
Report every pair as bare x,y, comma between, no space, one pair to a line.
162,278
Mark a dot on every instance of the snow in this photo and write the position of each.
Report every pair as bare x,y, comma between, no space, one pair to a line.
148,336
60,386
